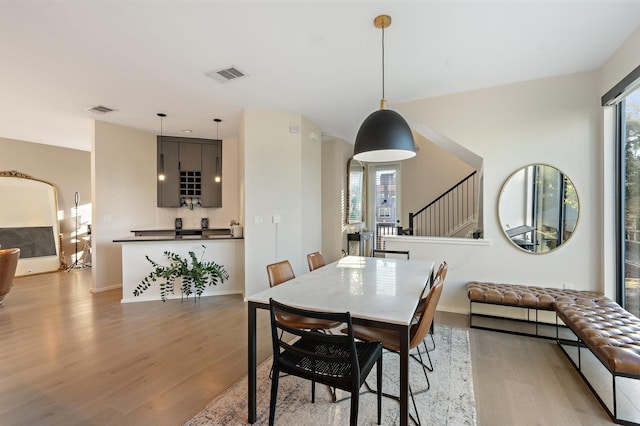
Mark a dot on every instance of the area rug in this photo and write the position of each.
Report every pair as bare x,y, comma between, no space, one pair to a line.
450,401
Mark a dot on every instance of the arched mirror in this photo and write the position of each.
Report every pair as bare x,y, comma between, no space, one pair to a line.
355,200
29,221
538,208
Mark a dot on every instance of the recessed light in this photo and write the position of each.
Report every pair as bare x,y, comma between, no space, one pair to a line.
187,131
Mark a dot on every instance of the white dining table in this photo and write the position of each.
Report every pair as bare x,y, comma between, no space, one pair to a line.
381,292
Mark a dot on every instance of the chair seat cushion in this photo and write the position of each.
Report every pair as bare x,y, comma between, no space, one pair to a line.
298,321
335,373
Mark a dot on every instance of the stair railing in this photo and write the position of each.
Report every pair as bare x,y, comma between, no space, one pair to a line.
450,212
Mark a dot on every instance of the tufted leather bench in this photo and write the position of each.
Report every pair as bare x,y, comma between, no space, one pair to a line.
523,295
613,335
609,331
520,296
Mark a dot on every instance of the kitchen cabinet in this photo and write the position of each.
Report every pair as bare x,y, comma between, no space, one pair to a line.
212,175
169,188
192,170
190,156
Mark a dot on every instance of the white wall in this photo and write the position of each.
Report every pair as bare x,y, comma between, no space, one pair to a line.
274,186
124,195
311,190
621,63
554,121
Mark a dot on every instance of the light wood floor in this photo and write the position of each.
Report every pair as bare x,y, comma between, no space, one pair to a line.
69,357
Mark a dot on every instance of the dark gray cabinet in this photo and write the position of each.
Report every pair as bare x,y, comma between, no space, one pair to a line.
169,187
192,170
190,156
212,175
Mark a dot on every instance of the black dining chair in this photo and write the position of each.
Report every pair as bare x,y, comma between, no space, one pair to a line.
335,360
398,254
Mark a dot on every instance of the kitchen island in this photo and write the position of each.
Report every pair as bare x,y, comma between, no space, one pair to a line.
222,249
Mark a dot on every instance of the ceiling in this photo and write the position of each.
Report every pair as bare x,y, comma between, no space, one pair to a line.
318,58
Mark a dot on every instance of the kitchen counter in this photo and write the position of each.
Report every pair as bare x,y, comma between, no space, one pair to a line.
204,234
175,232
222,249
170,237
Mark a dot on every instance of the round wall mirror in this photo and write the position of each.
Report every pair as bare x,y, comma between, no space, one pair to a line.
538,208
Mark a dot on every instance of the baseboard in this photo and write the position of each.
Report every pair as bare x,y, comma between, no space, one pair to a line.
172,297
101,289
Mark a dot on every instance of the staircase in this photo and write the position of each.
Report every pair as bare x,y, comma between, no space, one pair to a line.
451,214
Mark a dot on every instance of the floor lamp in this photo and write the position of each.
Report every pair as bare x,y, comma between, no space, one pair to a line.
75,263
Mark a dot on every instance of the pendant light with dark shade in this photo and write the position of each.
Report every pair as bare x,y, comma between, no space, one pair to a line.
384,135
161,175
217,178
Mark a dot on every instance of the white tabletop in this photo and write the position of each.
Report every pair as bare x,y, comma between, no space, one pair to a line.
379,289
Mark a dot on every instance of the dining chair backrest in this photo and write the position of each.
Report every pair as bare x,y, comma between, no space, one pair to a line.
442,271
399,254
313,337
280,272
330,359
315,261
8,264
440,275
420,330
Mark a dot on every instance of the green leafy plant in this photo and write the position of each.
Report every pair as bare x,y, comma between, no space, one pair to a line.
195,275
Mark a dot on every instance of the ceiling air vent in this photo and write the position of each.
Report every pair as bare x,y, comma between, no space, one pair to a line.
99,109
226,74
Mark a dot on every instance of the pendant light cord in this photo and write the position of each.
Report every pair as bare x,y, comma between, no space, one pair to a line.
383,62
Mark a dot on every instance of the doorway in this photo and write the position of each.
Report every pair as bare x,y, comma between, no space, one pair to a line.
385,203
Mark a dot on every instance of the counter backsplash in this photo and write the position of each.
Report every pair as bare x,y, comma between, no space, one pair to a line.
191,218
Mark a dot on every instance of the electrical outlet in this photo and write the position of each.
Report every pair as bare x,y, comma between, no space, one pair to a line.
257,220
276,218
568,286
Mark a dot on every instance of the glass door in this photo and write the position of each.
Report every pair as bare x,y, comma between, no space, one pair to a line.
386,202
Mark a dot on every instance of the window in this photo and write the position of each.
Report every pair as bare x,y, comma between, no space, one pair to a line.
628,135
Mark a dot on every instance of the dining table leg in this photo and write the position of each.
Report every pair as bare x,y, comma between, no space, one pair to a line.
404,375
251,363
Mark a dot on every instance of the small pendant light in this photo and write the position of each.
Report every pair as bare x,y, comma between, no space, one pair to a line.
384,135
217,178
161,176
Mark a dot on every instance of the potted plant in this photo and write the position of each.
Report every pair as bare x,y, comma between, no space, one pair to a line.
195,275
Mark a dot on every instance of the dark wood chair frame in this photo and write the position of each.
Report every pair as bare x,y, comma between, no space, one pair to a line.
385,252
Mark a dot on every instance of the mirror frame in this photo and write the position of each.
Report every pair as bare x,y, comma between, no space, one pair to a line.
34,204
361,193
503,225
